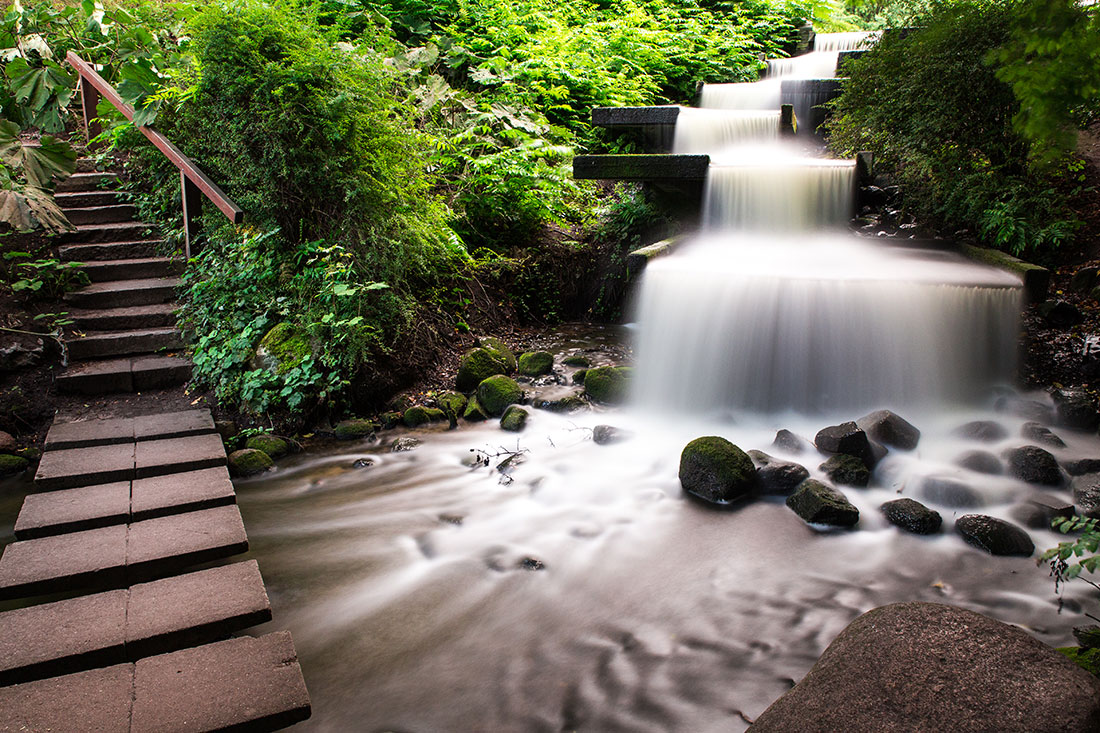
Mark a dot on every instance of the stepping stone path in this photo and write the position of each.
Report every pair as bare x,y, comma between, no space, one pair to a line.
123,508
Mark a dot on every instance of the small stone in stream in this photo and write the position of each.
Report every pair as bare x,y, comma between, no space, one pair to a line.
715,470
608,434
531,563
787,441
405,443
455,519
473,411
1034,465
1075,408
950,493
995,536
983,431
1059,313
912,516
248,462
1027,409
576,360
981,461
1037,433
780,478
817,503
578,376
1039,510
354,429
846,471
1086,494
890,429
514,419
1081,466
535,363
362,463
568,404
849,439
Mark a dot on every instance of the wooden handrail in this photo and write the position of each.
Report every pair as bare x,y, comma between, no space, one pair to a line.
192,179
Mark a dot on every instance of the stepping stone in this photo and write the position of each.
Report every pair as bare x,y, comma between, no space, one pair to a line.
133,316
128,374
120,293
239,684
90,181
132,269
111,556
124,231
73,510
111,250
96,700
87,433
67,469
180,492
173,424
175,455
126,625
158,372
101,214
84,199
97,345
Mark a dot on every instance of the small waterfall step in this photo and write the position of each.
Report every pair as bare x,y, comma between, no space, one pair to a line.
102,344
117,626
653,168
159,315
128,374
119,293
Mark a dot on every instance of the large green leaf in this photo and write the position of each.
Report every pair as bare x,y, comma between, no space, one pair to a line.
43,90
26,208
42,166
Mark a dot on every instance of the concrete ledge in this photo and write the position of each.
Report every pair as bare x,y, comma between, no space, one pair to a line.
90,433
1036,279
635,116
641,167
97,700
637,260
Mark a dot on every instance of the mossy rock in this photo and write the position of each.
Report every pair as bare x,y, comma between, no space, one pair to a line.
715,470
1086,659
452,403
576,360
477,365
514,419
390,420
500,350
31,453
535,363
846,470
608,385
567,404
818,503
10,464
282,348
355,429
497,392
579,375
249,462
417,416
272,445
473,411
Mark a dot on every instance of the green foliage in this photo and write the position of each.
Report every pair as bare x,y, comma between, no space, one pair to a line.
46,278
1084,547
939,118
28,177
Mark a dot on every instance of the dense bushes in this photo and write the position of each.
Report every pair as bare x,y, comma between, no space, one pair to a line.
933,108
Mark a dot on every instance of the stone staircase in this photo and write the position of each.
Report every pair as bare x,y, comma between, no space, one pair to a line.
125,332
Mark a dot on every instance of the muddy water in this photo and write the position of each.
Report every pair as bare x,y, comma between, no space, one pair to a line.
580,590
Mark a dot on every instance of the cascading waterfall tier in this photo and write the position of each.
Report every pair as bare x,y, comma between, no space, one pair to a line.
700,131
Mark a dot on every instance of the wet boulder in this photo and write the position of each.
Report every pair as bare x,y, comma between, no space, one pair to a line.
818,503
777,477
950,492
535,363
849,439
890,429
272,445
248,462
1076,409
579,375
609,434
1037,433
1081,466
1034,465
912,516
981,461
500,352
1059,313
576,361
995,536
354,429
477,365
568,404
931,667
846,470
514,419
12,464
452,403
403,444
389,420
1039,510
1086,494
981,431
418,415
496,393
716,471
788,442
473,411
608,385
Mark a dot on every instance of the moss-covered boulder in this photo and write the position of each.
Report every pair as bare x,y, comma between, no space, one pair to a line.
416,416
473,411
354,429
567,404
535,363
818,503
496,393
475,366
576,360
579,375
514,419
500,350
10,464
249,462
715,470
846,470
608,385
452,403
272,445
282,348
390,420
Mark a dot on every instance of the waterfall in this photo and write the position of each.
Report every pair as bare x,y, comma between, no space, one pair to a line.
707,130
854,41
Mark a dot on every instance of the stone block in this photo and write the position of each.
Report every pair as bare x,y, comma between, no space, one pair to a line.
67,469
173,425
162,545
96,700
176,455
176,493
94,557
72,510
88,433
641,167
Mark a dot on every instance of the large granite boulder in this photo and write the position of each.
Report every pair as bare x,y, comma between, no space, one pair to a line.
931,667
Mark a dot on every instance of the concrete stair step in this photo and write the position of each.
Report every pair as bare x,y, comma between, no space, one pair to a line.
120,555
128,374
85,199
87,181
85,165
137,249
122,231
135,316
109,431
126,625
102,344
72,467
101,214
122,293
243,684
133,269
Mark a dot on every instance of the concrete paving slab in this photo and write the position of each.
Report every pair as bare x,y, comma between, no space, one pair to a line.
191,609
176,493
101,464
72,510
157,372
239,684
88,433
62,637
175,455
98,377
158,546
94,557
173,425
96,700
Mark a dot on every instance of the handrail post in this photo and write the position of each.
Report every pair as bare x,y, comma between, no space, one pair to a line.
89,100
192,207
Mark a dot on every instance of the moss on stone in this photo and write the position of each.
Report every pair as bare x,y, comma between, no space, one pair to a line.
477,365
579,375
1086,659
497,392
818,503
249,462
284,347
535,363
416,416
609,385
452,403
390,420
272,445
500,350
846,470
716,470
514,419
10,464
576,360
354,429
473,411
